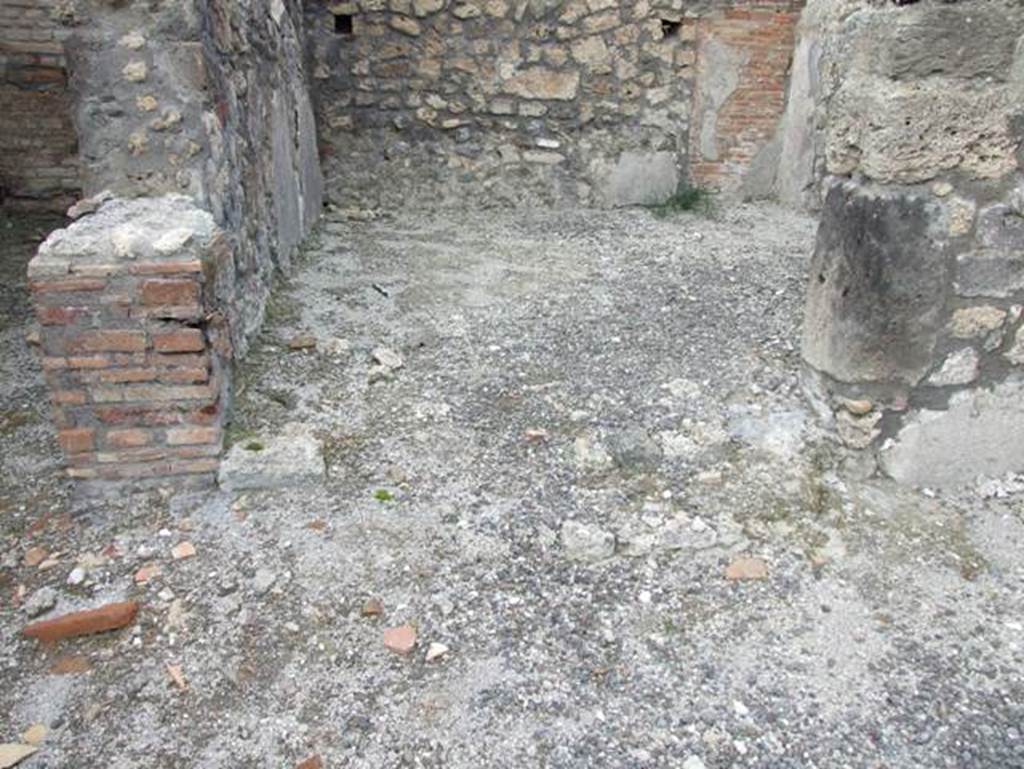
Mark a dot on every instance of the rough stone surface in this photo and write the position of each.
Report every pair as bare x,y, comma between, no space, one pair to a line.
641,179
133,349
540,103
290,458
913,287
960,368
38,144
979,434
926,118
215,106
877,287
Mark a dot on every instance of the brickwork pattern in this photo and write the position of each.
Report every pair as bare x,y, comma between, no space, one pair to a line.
134,368
38,145
764,35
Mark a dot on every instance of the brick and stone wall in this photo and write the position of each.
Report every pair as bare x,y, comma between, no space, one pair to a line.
38,143
913,337
195,117
206,98
133,348
743,65
547,101
544,101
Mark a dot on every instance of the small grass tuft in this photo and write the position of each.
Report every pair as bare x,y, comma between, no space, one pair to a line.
698,200
254,446
383,495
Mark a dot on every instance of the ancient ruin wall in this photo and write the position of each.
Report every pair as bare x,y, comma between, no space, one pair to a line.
542,101
744,55
913,334
209,99
38,144
196,118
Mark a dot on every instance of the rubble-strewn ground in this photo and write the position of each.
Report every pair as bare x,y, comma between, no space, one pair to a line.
596,413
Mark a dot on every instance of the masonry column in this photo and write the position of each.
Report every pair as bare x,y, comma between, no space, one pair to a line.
133,354
914,332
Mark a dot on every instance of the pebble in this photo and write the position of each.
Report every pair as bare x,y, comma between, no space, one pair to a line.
372,608
183,550
77,576
35,734
436,651
337,347
387,358
263,581
694,762
401,640
746,568
587,543
41,601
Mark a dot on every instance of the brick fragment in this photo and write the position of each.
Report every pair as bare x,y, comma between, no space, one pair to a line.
166,268
60,316
170,292
69,397
124,439
109,617
77,441
108,341
401,640
746,567
179,340
184,436
67,286
89,361
192,375
127,375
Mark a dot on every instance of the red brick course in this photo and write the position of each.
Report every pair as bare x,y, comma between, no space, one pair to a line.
170,292
179,340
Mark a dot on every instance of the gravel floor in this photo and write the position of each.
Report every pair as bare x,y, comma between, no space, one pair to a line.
597,414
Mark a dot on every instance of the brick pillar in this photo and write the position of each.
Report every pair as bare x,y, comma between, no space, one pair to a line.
136,372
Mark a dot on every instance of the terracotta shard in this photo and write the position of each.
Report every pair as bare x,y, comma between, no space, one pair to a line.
400,640
313,762
100,620
746,567
70,666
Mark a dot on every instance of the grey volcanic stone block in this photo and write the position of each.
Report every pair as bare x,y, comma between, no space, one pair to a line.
988,272
878,282
980,434
642,178
926,41
997,267
293,458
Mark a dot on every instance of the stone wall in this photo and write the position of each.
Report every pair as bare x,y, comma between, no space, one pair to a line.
913,335
743,65
206,98
540,101
38,144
